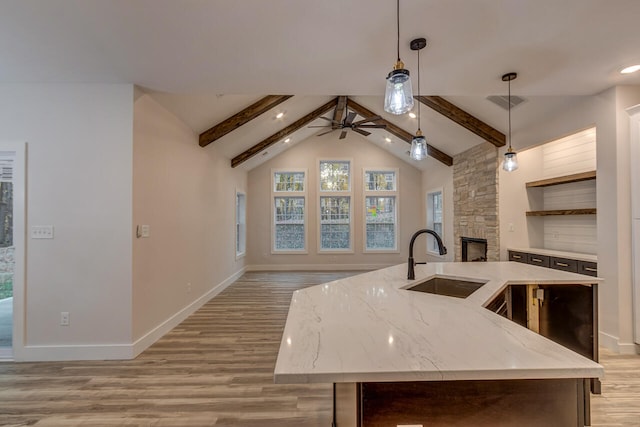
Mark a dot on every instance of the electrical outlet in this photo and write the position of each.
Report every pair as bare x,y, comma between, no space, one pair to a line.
511,226
64,318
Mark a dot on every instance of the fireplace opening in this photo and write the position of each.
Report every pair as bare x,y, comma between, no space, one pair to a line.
474,250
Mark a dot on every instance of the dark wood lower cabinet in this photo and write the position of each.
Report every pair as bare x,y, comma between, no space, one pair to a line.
505,403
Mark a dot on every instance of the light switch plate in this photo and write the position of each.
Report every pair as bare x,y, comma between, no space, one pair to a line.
42,231
145,231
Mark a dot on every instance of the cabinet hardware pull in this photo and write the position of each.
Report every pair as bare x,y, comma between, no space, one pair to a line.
536,259
516,256
591,269
562,264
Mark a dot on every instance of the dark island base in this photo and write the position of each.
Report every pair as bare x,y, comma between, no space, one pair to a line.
504,403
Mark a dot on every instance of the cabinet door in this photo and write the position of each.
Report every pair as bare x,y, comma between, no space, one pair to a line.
564,264
517,256
541,260
588,268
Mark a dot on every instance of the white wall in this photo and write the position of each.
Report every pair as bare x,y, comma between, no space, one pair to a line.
79,168
186,194
306,154
440,176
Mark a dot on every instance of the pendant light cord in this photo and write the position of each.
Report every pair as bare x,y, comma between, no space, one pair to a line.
510,149
419,89
398,27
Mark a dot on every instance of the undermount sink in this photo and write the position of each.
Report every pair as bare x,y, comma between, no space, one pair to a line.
447,286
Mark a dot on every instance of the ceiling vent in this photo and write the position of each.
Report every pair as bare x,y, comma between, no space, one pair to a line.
502,101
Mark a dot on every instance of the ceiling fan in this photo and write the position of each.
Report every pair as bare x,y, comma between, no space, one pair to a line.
348,123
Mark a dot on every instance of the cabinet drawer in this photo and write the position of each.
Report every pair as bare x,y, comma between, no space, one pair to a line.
517,256
588,268
564,264
541,260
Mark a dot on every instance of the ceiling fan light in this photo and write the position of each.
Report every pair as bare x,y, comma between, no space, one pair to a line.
398,97
418,148
510,162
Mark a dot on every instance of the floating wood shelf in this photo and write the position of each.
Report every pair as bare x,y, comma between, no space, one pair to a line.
591,211
577,177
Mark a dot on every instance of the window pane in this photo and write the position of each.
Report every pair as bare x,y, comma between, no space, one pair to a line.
288,181
334,176
240,223
335,218
289,230
381,222
380,180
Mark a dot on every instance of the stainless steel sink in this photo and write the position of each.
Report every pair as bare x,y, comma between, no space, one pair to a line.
447,286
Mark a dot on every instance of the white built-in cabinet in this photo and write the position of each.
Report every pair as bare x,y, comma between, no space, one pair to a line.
634,112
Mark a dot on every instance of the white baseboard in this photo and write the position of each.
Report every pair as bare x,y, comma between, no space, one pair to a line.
42,353
155,334
613,343
317,267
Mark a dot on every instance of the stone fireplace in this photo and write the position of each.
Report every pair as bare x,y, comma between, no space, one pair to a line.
473,250
475,199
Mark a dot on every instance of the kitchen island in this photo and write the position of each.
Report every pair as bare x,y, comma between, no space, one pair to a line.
403,357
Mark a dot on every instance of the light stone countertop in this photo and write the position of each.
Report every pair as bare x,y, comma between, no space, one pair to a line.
369,328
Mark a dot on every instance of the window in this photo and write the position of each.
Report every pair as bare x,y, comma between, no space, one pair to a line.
241,224
335,175
335,223
434,218
335,206
288,181
380,200
289,211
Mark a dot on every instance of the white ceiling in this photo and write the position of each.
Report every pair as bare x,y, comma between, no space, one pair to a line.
207,59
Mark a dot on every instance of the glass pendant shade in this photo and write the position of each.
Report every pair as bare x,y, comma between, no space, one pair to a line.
510,161
398,97
418,148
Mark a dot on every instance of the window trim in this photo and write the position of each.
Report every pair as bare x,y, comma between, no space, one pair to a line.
380,193
326,193
242,253
429,222
283,194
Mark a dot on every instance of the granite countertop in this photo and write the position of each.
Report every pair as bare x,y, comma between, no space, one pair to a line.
369,328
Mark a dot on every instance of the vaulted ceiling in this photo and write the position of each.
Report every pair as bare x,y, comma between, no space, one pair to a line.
206,61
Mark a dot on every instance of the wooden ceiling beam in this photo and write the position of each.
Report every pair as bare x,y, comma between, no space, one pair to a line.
239,119
265,143
401,133
338,114
464,119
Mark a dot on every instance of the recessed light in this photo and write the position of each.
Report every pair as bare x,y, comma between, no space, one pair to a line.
279,115
387,139
630,69
412,115
287,140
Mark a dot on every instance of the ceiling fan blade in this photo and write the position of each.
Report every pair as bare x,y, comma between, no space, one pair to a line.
370,126
349,119
329,120
362,132
325,132
370,119
343,135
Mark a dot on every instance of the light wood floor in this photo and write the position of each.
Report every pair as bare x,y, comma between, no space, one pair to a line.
216,369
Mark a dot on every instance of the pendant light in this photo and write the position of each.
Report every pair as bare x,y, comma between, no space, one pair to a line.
418,143
510,162
398,96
